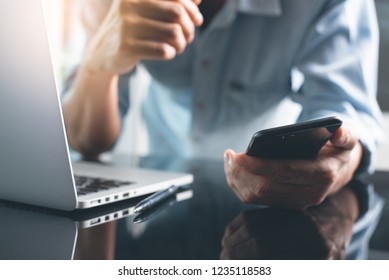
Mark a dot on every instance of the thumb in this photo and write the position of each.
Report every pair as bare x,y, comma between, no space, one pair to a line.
229,156
344,138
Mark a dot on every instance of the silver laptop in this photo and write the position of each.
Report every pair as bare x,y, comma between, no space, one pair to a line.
35,166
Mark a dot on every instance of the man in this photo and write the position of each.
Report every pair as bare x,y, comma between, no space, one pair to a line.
227,69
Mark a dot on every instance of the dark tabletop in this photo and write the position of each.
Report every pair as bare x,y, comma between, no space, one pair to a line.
210,224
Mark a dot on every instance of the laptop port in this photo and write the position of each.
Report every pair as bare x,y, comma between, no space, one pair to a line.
95,221
126,195
97,201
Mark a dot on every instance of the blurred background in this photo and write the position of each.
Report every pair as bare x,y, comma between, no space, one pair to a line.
67,40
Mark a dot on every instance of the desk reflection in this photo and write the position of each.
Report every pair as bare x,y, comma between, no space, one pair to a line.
210,224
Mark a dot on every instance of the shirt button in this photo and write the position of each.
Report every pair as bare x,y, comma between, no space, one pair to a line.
237,86
205,63
195,169
200,106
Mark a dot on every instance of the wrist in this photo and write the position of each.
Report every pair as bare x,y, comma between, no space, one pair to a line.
96,82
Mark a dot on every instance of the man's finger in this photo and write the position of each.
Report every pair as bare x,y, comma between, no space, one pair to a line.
344,138
282,171
193,11
251,188
148,50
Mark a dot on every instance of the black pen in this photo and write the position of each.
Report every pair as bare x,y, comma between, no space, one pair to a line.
156,198
153,211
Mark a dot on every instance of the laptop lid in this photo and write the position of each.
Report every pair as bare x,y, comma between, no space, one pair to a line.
35,166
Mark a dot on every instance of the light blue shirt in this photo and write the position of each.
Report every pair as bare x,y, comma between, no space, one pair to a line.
263,63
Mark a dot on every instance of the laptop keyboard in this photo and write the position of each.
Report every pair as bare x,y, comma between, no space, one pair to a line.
86,185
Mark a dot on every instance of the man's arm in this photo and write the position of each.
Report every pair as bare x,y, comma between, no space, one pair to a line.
131,31
91,112
338,62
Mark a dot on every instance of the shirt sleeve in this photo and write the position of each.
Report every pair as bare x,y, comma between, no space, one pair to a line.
337,67
124,95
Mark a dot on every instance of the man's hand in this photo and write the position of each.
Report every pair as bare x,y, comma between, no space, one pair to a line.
295,184
137,30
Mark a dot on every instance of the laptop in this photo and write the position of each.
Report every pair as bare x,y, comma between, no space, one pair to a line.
35,165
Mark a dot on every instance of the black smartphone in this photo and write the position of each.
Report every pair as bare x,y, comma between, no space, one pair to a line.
297,141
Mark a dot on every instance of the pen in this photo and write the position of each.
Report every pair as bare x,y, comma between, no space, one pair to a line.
154,199
153,211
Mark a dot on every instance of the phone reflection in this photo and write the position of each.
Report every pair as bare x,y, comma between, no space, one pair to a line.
320,232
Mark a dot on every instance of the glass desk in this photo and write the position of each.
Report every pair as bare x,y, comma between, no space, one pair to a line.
206,221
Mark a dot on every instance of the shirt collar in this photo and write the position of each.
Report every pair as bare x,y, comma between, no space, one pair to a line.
260,7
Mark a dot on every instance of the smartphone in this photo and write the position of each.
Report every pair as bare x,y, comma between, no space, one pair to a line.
297,141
